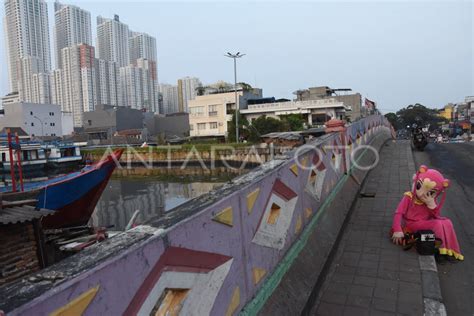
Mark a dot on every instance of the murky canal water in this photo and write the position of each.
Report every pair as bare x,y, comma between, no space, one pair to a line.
152,197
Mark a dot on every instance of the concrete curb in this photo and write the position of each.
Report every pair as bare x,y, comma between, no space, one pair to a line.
432,298
431,289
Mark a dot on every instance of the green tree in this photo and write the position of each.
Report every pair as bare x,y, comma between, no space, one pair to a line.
245,86
243,128
264,125
393,119
419,114
294,122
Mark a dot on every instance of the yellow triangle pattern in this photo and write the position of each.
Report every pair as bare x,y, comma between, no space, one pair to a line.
251,198
304,161
78,305
258,274
294,169
234,302
299,224
308,212
225,217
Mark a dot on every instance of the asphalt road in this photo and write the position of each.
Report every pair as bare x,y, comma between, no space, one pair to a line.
456,162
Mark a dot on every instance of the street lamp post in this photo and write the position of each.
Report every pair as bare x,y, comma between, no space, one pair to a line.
41,122
235,56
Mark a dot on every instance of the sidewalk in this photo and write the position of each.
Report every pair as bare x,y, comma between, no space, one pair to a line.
369,275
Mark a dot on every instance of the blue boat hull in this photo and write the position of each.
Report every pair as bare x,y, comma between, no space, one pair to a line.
73,196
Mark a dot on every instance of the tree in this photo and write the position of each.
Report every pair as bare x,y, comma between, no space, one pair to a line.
245,86
243,128
264,125
393,119
419,114
200,90
294,122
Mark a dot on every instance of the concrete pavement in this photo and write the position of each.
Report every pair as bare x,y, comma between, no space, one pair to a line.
368,274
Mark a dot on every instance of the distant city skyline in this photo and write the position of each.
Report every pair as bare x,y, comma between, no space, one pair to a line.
396,53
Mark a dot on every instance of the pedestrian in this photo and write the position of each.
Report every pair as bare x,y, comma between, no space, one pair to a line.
419,210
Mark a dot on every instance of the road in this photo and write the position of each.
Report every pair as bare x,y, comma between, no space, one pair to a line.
456,162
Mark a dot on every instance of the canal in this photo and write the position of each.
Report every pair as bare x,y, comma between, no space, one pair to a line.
152,192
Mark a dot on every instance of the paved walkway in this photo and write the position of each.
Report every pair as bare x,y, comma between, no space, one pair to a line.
369,275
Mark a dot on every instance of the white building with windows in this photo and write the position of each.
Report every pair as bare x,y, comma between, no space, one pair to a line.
139,86
72,27
76,83
34,118
187,91
169,94
210,114
315,112
33,81
113,40
142,45
26,34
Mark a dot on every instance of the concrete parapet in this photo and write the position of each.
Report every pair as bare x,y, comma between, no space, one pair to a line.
255,244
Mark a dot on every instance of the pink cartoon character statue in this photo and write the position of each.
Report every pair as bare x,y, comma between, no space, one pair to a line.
420,210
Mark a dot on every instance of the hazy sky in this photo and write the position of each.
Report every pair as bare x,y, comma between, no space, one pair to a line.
396,53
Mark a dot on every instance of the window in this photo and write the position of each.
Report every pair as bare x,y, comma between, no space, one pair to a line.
274,214
191,127
32,124
89,122
196,110
31,112
213,125
213,110
201,126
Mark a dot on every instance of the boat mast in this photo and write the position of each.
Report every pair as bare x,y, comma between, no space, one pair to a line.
12,164
18,156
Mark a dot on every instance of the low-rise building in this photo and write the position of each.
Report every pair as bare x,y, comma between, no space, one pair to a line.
352,101
314,112
34,118
167,126
209,114
447,111
13,97
106,120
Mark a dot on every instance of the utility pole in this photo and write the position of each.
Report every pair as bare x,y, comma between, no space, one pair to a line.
235,56
41,122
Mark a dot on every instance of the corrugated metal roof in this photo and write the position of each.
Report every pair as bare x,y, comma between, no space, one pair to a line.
283,135
20,214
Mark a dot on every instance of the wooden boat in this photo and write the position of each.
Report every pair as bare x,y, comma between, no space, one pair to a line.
32,156
60,154
73,196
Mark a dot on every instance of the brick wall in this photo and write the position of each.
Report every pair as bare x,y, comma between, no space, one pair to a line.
18,251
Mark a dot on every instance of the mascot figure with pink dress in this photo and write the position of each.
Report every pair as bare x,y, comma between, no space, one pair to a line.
420,210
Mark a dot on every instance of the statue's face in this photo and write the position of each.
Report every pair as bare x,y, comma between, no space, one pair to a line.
426,188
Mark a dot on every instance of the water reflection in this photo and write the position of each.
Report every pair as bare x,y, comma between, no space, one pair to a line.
123,196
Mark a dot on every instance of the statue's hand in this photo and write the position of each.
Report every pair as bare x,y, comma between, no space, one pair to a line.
397,238
429,200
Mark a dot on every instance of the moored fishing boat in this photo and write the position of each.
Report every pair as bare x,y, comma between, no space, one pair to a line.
73,196
60,154
32,156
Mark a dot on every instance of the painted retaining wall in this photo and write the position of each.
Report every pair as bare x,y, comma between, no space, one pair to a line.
233,250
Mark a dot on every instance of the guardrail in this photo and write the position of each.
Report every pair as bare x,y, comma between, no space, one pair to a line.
215,254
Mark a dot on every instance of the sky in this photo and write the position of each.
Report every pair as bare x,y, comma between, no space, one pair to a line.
394,52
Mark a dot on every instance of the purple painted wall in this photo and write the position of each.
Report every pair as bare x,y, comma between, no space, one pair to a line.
121,276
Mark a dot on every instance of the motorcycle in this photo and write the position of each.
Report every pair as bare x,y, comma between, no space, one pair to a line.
419,139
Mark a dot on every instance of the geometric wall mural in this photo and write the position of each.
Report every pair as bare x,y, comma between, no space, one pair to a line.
336,157
276,219
316,178
183,281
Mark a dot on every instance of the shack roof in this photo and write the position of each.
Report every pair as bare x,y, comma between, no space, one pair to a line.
21,214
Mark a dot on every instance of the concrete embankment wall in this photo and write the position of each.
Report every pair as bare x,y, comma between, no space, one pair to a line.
179,156
257,244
